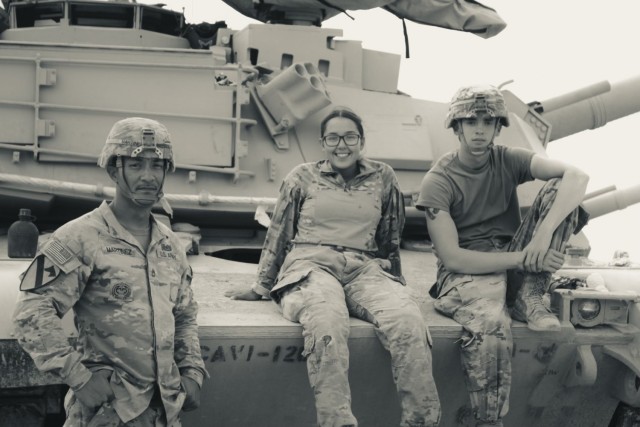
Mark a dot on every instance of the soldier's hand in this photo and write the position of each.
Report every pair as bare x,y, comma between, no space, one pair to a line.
553,261
243,294
536,251
97,391
192,400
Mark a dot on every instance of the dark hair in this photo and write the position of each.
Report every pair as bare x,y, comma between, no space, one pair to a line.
345,112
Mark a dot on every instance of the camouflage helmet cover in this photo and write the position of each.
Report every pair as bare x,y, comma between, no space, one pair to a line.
132,136
468,101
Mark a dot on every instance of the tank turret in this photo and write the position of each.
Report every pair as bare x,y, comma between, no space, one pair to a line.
256,96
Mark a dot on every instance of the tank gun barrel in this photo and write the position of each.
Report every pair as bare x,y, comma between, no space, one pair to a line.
599,192
572,113
575,96
612,201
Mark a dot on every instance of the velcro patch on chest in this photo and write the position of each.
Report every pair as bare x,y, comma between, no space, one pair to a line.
166,251
121,291
118,250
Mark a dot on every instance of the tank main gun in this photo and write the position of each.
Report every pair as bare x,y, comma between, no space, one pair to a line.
590,107
612,200
622,99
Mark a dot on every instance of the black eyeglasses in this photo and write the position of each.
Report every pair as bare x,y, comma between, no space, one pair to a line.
333,140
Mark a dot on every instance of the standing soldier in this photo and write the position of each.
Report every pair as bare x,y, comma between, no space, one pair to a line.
137,360
473,217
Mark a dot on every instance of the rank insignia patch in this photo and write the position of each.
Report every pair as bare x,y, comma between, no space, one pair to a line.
41,272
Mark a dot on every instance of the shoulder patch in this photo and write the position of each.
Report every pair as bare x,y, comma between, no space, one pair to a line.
40,273
60,255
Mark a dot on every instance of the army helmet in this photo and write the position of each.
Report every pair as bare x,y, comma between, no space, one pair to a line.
137,137
468,101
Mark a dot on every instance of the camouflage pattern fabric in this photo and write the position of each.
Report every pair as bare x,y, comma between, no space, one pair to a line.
131,136
306,209
478,303
572,224
106,416
468,101
343,283
134,312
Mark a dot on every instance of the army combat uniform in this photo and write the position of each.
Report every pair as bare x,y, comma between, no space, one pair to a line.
484,207
134,311
332,250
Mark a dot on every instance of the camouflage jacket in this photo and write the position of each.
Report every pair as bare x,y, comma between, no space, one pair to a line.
134,311
306,212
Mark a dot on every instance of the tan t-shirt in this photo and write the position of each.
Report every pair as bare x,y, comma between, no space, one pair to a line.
483,203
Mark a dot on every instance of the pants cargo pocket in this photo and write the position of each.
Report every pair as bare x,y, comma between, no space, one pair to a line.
293,298
488,286
450,301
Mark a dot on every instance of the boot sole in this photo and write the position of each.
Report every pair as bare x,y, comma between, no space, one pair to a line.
547,329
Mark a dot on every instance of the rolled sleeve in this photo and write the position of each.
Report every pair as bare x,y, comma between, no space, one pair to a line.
260,290
194,374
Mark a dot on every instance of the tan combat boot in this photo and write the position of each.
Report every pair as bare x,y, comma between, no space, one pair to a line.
530,308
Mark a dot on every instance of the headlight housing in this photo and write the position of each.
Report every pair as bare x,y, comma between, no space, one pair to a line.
590,308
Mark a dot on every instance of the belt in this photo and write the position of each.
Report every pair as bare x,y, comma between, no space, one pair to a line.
338,248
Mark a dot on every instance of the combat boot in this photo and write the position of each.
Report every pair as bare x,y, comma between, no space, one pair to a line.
530,308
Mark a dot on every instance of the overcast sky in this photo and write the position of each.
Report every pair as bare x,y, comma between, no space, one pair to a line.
548,48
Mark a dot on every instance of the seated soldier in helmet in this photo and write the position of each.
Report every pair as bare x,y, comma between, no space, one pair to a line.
474,222
137,359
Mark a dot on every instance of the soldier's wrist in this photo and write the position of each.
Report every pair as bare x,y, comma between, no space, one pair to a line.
78,377
194,374
260,290
519,261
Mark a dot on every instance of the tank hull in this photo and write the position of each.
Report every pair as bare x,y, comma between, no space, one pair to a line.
236,138
259,377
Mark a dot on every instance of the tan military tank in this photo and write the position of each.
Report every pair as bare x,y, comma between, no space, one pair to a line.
243,112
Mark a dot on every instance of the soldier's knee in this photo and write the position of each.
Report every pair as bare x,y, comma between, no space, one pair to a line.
330,324
496,315
489,319
412,323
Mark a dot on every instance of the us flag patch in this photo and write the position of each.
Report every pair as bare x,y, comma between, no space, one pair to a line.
40,273
57,252
60,255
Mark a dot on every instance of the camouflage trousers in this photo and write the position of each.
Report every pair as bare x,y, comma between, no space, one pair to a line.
479,304
344,283
79,415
